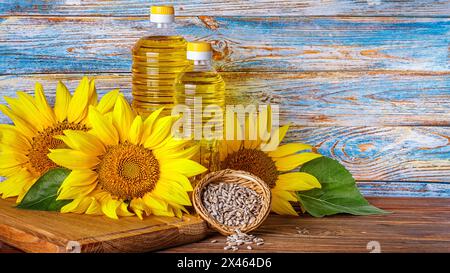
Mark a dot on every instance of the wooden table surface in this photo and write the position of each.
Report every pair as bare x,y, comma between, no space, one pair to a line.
416,225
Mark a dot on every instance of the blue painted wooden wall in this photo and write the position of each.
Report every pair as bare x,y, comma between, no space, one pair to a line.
366,82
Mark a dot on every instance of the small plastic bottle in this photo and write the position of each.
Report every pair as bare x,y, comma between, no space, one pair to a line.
157,59
200,81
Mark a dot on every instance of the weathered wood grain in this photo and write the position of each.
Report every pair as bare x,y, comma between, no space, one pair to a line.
384,153
42,231
416,225
93,44
404,189
233,7
308,99
405,153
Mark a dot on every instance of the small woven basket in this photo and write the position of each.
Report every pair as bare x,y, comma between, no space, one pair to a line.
243,179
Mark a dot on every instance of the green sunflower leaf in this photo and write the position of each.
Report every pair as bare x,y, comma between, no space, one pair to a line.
339,193
42,195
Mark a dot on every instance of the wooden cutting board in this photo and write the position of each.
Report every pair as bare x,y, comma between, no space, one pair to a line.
42,231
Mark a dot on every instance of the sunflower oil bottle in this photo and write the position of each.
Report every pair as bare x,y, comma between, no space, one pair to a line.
200,82
157,59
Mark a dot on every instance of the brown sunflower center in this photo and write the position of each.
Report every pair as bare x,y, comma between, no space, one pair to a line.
39,163
128,171
255,162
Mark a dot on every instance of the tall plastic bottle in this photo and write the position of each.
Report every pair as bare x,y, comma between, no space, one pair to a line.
197,81
157,59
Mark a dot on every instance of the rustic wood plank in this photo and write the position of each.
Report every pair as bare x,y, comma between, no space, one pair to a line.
404,189
384,153
42,231
4,248
233,7
93,44
412,227
309,99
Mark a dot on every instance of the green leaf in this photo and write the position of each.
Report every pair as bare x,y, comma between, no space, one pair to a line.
42,195
338,194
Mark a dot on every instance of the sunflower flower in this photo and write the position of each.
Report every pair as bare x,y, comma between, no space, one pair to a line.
25,144
274,167
126,165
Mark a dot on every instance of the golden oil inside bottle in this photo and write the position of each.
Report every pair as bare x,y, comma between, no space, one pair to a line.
200,81
156,62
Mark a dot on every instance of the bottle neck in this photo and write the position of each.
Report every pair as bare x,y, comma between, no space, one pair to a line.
201,65
163,29
202,62
162,25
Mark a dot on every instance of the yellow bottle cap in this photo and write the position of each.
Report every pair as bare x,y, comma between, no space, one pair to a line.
162,10
198,46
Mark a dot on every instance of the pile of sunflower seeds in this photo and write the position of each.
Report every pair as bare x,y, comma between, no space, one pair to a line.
240,239
231,205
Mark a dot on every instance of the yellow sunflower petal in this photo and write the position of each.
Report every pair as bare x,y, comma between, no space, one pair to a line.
135,133
178,213
154,202
122,117
73,159
93,96
285,195
94,208
179,207
282,207
71,206
138,213
12,159
109,207
108,101
79,178
137,205
171,143
102,127
7,172
288,149
30,111
30,180
75,191
171,154
297,181
149,122
182,180
13,185
168,213
184,166
22,126
275,141
42,104
83,205
27,112
62,102
293,161
84,141
161,130
173,192
79,102
14,139
122,210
